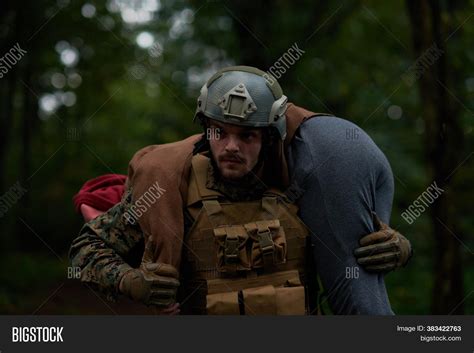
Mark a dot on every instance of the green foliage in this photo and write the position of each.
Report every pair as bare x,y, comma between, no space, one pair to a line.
24,276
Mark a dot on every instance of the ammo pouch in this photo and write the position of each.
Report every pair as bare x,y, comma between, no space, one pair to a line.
251,245
274,294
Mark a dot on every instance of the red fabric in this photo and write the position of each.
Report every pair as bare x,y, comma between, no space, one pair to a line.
101,193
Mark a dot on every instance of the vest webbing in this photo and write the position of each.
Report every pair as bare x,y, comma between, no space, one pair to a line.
251,249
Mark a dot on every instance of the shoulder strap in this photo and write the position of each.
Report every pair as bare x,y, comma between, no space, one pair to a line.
197,190
295,116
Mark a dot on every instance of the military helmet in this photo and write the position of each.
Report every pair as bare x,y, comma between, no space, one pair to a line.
244,96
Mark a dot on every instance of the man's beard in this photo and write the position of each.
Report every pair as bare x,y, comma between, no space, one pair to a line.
248,187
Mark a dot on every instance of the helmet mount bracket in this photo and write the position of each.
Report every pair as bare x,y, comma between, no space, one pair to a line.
237,104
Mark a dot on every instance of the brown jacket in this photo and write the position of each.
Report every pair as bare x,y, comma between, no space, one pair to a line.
169,166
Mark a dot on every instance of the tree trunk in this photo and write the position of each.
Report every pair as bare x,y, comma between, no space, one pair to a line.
443,146
8,85
28,88
9,17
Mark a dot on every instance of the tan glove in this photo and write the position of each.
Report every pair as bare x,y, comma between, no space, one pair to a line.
152,284
384,250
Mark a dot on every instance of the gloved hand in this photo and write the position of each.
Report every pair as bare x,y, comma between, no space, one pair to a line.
383,250
152,284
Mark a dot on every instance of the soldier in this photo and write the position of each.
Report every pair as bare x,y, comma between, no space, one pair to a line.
222,207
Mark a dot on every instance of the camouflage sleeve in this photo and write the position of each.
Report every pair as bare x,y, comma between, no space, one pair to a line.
104,245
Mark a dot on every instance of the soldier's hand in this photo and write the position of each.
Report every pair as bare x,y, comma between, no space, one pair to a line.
384,250
152,284
89,212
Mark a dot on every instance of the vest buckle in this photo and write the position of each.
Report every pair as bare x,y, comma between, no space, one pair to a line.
265,240
267,246
231,250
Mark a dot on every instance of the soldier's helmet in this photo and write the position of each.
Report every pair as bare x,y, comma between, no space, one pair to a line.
244,96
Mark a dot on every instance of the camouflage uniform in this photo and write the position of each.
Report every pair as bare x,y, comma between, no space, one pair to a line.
109,245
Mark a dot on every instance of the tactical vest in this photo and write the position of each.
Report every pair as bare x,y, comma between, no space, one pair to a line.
243,257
